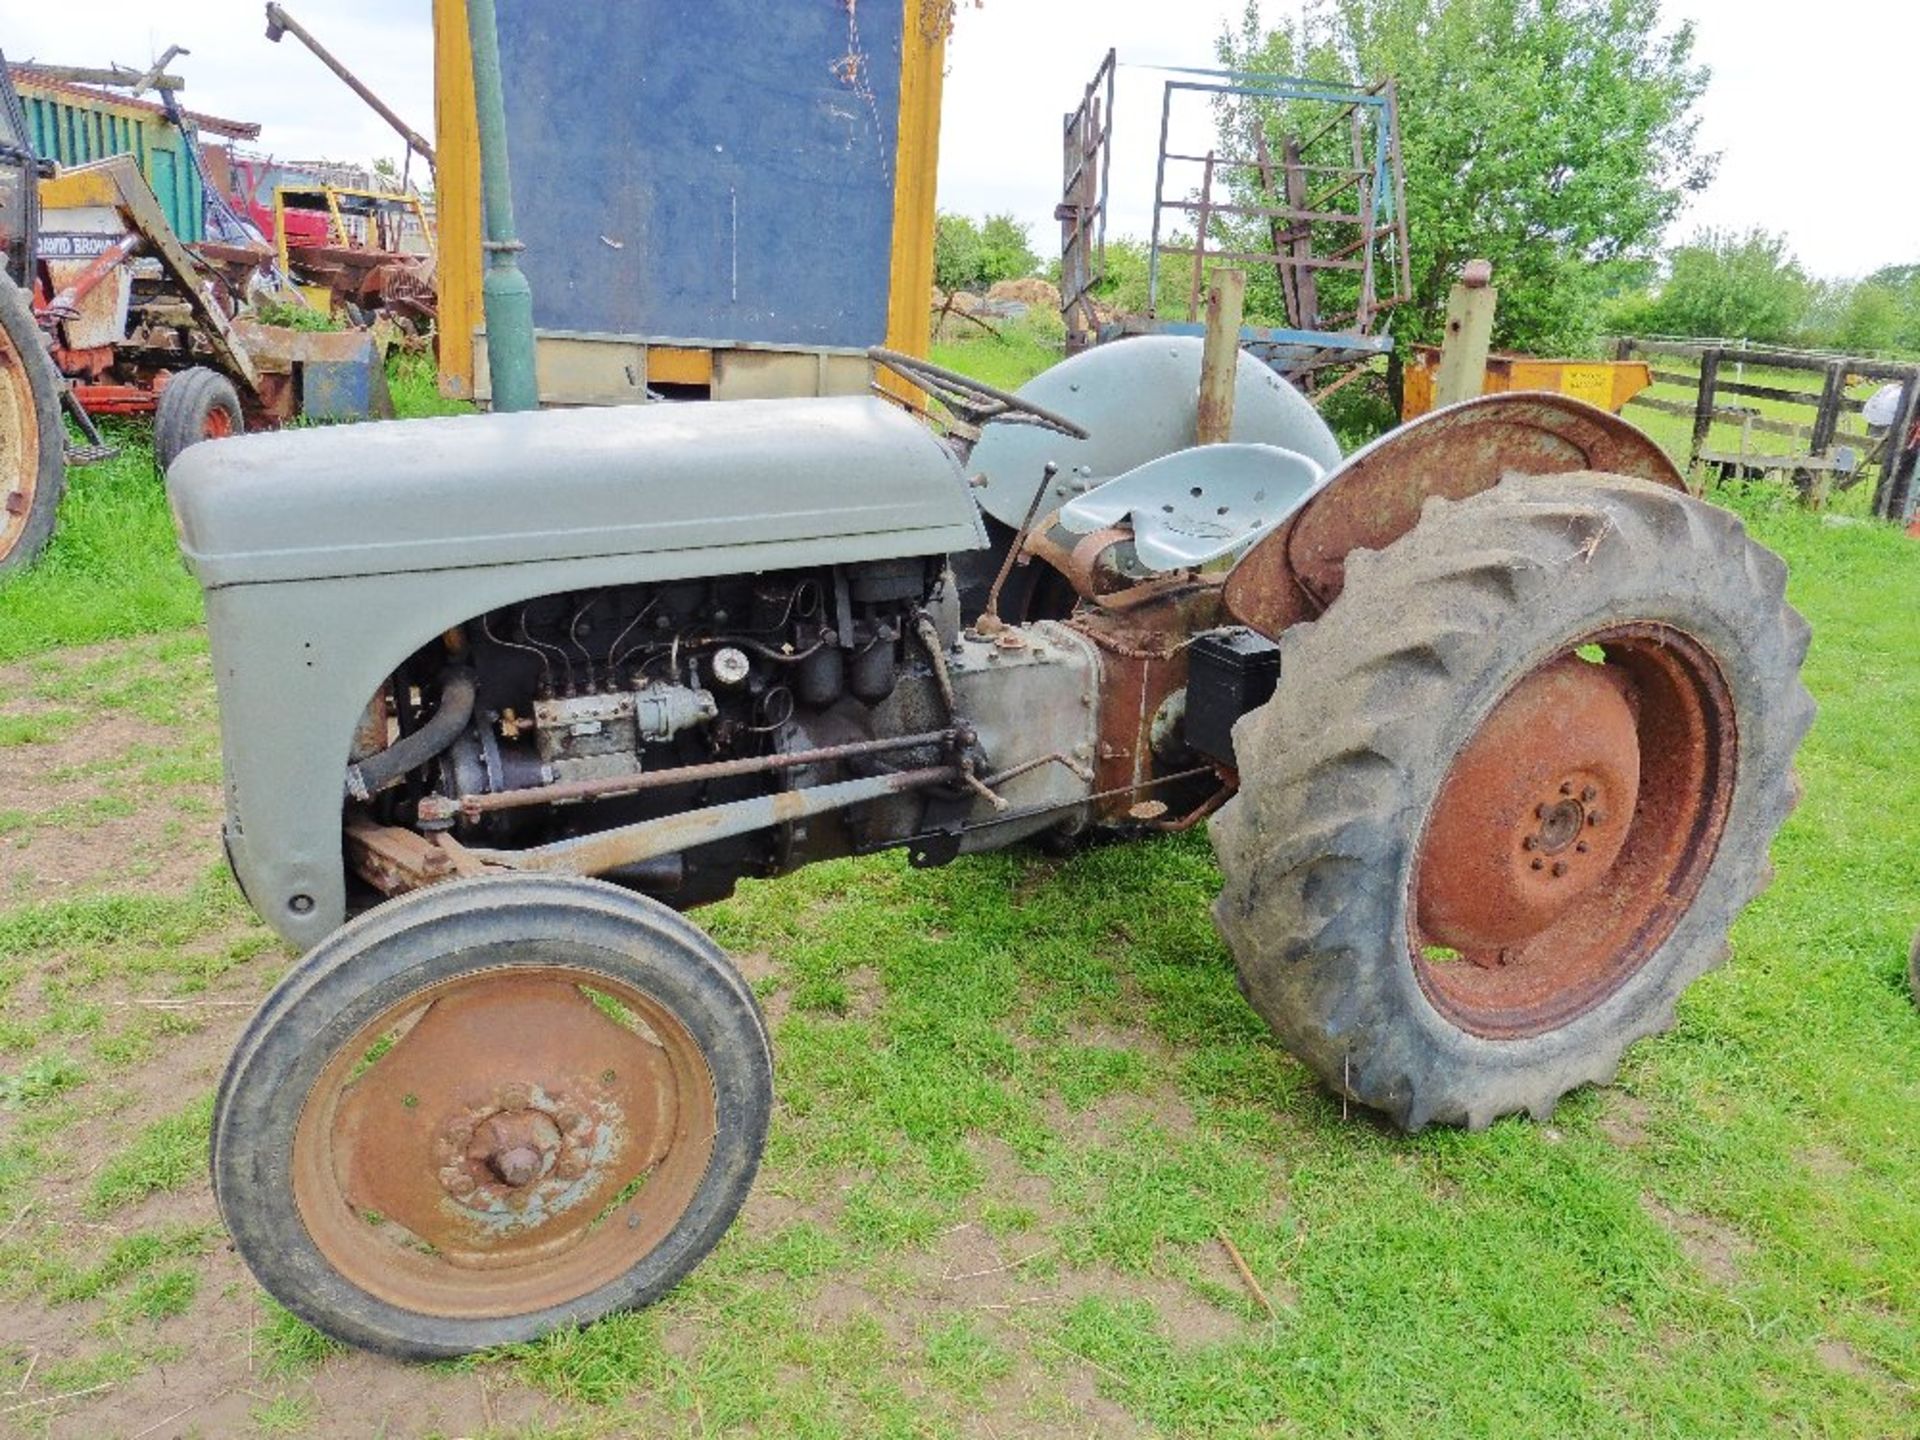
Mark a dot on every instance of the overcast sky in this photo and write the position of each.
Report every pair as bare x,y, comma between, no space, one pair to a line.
1813,106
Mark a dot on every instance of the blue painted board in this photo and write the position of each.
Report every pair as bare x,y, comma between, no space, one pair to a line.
718,171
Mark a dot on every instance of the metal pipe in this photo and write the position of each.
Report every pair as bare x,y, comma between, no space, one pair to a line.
385,767
474,806
608,850
279,22
507,298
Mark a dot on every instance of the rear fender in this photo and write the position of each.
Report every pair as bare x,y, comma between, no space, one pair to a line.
1376,496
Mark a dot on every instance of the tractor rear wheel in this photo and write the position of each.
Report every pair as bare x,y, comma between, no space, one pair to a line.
490,1109
33,463
1511,792
195,405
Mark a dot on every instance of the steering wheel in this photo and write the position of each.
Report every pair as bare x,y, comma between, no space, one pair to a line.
973,402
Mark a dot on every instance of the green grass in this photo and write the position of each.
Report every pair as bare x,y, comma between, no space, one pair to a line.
166,1155
1020,1103
113,568
1007,360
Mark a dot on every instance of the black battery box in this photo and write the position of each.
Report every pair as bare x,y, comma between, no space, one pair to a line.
1229,672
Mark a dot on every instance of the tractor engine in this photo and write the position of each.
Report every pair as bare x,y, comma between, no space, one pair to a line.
590,712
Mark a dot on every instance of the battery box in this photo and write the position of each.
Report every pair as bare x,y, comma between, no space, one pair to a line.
1229,672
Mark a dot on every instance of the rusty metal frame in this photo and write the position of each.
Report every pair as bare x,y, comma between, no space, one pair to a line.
1310,232
1087,141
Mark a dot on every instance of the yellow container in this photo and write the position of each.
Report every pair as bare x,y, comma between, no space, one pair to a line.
1609,384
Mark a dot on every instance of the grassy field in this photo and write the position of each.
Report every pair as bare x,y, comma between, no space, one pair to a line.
1022,1110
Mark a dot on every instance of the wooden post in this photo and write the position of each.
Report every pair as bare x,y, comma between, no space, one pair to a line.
1893,497
1463,356
1220,356
1300,248
1703,407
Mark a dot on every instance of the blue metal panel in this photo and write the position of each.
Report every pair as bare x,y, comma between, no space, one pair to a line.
337,389
720,171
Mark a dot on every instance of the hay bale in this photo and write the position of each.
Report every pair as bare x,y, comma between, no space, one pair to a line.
1029,290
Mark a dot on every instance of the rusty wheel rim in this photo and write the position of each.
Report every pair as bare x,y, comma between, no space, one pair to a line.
503,1142
19,446
217,426
1572,831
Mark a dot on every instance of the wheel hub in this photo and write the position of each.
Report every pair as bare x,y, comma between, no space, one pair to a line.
494,1158
496,1172
1572,831
1534,812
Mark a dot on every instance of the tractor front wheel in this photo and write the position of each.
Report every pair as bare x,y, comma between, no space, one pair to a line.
33,462
194,405
490,1109
1511,792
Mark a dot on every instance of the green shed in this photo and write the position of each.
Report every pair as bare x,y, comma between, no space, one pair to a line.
72,124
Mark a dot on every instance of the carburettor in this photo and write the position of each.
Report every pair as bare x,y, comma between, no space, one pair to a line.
598,736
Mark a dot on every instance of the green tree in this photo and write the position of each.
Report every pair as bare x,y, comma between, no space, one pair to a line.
1556,138
956,253
1871,321
1006,252
969,256
1903,283
1729,286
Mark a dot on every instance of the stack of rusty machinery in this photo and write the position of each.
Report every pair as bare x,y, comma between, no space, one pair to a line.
112,311
1308,199
371,246
1491,723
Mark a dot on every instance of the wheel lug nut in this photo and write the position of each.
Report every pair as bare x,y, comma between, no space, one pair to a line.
1596,818
518,1165
1559,868
1530,843
1566,787
1589,794
1581,847
1539,812
1539,864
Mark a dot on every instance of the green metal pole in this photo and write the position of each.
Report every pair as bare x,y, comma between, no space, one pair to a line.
505,293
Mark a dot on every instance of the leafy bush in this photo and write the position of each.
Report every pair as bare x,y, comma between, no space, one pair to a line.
969,256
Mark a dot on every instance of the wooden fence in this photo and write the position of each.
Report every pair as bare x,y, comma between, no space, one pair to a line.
1833,444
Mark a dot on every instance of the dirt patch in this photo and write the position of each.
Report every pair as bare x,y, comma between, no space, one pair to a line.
79,810
1005,1278
762,974
1842,1359
1717,1249
1826,1163
866,993
1626,1119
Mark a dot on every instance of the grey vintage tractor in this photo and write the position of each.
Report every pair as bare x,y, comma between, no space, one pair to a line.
1491,724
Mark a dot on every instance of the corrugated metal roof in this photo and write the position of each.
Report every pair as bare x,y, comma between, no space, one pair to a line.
27,77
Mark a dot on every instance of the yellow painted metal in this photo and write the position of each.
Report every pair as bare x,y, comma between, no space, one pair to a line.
80,188
337,232
923,52
679,365
457,142
1609,384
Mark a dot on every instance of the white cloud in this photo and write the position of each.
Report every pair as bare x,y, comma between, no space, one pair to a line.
1811,107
